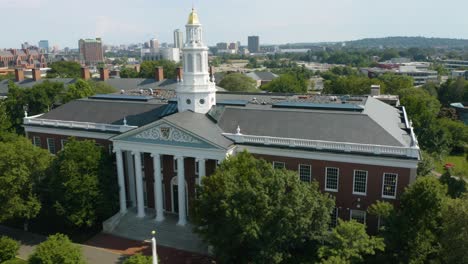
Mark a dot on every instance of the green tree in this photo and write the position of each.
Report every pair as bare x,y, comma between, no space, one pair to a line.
394,83
82,185
5,123
22,166
79,89
8,248
413,231
128,73
147,69
57,249
253,213
238,82
454,238
100,87
453,91
286,83
349,243
352,84
426,165
64,69
458,133
138,259
456,187
382,210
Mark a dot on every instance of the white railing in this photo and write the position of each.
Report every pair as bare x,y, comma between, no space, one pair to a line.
33,120
412,152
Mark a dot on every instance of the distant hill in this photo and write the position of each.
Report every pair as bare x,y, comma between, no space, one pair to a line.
408,42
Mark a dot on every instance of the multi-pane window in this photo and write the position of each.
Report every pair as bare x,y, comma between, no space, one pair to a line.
37,141
334,218
360,182
197,167
331,179
389,185
359,216
175,165
278,165
305,172
51,145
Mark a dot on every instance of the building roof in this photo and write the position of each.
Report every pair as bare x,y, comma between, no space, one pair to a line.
262,75
29,83
108,112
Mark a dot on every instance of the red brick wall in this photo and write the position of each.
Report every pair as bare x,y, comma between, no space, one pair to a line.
58,140
344,198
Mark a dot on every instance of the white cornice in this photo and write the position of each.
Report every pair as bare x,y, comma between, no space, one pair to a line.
68,132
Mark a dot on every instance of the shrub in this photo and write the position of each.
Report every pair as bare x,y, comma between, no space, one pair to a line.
138,259
8,248
57,249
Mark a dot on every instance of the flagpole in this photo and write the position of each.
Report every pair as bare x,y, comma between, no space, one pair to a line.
153,242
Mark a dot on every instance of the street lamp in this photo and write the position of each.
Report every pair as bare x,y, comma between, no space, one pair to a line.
153,243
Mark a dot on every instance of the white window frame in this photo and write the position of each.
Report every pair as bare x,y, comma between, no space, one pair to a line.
279,162
337,179
355,210
197,167
48,145
310,172
63,142
36,140
383,185
354,182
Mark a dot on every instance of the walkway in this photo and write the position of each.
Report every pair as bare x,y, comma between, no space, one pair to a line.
169,234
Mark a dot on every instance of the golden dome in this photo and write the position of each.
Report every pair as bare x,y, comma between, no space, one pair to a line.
193,18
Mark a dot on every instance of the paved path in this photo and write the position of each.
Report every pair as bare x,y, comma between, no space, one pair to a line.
29,241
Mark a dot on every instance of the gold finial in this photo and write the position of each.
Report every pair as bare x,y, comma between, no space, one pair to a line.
153,232
193,17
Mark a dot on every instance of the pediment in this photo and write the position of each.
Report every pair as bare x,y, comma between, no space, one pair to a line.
165,133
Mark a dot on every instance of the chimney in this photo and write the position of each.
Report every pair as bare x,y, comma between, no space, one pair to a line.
85,75
104,74
19,75
137,68
375,90
36,74
179,74
159,74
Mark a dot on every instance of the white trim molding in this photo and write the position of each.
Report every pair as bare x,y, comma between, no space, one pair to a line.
383,185
68,132
407,152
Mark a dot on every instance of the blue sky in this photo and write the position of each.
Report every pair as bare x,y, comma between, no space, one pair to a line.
63,22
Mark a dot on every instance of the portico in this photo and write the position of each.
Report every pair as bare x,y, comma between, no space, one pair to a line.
163,163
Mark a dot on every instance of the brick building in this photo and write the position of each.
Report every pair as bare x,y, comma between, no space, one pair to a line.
358,149
22,58
91,52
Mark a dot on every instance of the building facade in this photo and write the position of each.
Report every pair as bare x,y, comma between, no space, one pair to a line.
358,149
22,58
91,51
178,39
254,44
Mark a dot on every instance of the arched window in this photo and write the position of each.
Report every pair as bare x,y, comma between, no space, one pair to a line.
190,63
199,63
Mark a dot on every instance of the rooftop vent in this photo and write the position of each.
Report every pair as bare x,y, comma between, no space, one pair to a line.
316,106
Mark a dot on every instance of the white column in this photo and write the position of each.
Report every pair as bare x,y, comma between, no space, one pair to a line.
121,180
158,191
181,190
139,185
201,169
131,178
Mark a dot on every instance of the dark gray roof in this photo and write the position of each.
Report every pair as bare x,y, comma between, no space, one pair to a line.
200,125
262,75
337,126
108,112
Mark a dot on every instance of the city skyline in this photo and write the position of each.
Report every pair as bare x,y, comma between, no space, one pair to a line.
276,23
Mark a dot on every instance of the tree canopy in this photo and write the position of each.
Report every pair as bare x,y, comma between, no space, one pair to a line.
57,249
64,69
251,212
22,166
286,83
82,185
147,69
238,82
77,90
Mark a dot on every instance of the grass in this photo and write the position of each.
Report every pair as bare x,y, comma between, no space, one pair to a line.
460,168
15,261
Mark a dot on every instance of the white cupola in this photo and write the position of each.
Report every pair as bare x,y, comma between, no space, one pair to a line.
195,92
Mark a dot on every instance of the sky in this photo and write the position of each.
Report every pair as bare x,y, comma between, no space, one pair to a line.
64,22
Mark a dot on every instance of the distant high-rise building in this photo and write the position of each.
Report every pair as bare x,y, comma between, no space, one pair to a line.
154,44
91,51
222,46
25,45
254,44
44,46
233,46
178,39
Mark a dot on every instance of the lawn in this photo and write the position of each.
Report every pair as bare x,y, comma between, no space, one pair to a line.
460,165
